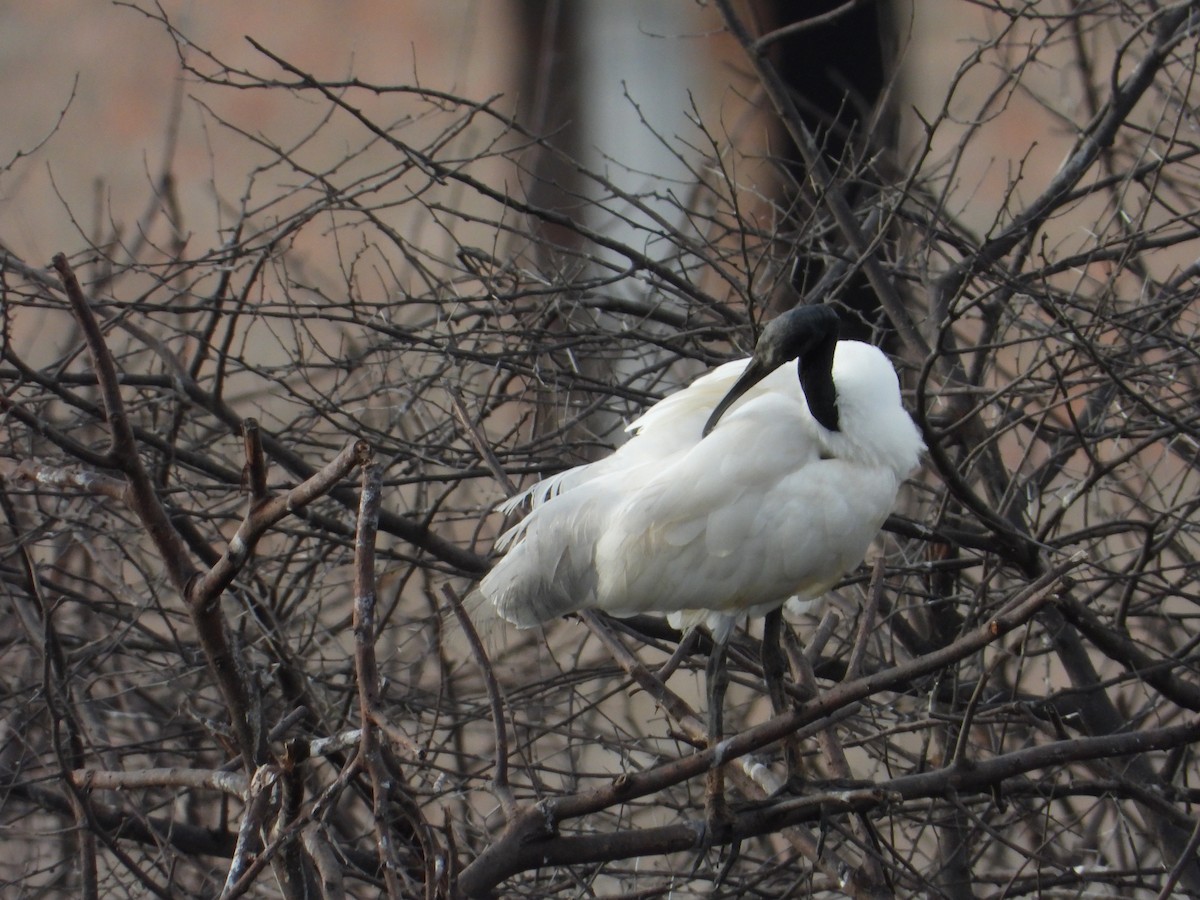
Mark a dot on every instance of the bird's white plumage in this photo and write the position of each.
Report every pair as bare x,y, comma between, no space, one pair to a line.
769,505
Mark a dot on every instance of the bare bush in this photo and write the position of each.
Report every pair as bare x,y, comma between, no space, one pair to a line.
247,479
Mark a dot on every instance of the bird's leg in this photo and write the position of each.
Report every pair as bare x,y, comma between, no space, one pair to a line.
773,663
775,666
717,678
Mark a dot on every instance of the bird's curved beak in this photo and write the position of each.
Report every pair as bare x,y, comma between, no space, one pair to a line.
755,372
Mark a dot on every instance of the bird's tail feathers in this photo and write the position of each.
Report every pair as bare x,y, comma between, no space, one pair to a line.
528,605
507,539
516,501
549,488
548,569
536,494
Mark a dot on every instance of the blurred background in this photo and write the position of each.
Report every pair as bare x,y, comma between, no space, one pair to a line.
583,71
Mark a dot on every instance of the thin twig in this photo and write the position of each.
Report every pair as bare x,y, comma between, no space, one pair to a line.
368,673
500,782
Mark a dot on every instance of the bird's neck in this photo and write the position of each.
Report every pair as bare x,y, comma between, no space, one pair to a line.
816,378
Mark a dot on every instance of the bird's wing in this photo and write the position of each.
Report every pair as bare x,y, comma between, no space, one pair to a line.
732,527
543,574
670,426
683,413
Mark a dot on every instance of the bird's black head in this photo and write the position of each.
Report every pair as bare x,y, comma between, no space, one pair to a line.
806,333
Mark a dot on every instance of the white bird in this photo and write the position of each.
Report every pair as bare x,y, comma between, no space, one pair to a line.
735,494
